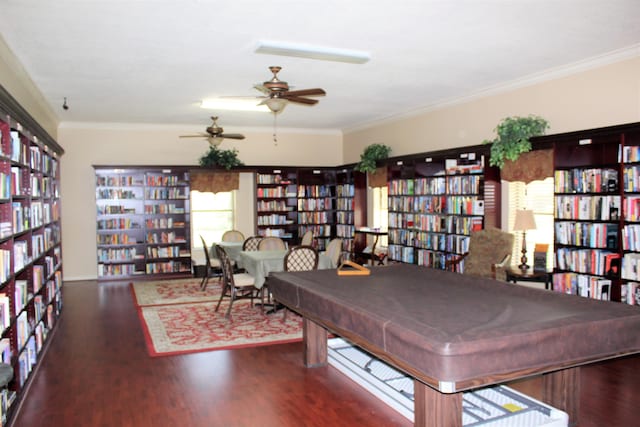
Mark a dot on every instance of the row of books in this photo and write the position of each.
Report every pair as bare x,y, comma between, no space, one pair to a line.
168,267
119,181
582,285
345,204
437,260
118,224
588,261
629,154
271,179
631,208
164,180
631,237
166,252
424,204
401,253
314,191
589,180
344,217
630,293
345,190
319,217
275,192
163,208
115,209
165,237
172,193
315,204
116,239
592,208
277,232
594,235
119,254
631,178
630,268
436,223
273,206
117,270
274,219
118,194
317,230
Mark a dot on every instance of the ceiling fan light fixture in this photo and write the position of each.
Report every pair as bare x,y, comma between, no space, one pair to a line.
276,105
214,141
312,52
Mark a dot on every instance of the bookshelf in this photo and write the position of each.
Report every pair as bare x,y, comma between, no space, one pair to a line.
434,205
30,248
595,222
142,221
317,204
276,203
346,208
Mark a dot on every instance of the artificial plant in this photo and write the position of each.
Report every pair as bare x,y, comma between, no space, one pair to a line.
512,138
370,156
224,158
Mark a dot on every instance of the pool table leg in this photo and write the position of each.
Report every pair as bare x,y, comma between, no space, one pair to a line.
432,408
561,389
315,344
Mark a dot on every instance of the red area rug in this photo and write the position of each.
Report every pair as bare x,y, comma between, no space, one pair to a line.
180,291
181,328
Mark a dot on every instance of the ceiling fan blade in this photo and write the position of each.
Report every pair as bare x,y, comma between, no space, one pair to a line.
301,100
232,136
262,88
306,92
202,135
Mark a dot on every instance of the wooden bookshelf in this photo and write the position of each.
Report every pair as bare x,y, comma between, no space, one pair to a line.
30,245
596,240
142,221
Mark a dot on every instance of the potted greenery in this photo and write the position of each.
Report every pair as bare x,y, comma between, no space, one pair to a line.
224,158
370,156
513,138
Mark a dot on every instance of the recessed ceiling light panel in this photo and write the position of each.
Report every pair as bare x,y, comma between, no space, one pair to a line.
312,52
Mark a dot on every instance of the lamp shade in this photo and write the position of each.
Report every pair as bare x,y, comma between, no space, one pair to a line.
214,141
524,220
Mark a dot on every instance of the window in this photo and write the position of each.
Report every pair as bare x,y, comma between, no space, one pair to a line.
538,197
380,218
211,215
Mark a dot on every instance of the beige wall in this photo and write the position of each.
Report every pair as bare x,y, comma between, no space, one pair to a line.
87,145
16,81
604,96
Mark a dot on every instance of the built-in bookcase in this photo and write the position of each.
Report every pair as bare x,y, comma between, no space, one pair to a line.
434,205
317,205
142,221
276,203
596,220
345,208
30,245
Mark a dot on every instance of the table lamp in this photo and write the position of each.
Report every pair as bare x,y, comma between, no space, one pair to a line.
524,221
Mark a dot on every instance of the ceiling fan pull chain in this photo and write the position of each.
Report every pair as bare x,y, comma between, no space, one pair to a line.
275,136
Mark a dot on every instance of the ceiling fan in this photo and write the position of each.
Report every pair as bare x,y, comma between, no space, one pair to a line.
215,134
278,95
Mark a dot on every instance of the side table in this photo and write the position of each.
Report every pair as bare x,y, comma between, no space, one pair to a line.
529,275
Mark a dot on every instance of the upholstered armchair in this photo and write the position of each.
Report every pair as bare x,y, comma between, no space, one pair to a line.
489,254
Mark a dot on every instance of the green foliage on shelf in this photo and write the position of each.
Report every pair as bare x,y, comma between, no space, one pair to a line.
513,138
371,154
224,158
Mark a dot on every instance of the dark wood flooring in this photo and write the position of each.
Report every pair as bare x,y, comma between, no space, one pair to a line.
96,372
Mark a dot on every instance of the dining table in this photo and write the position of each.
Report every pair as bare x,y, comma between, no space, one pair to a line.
260,264
232,249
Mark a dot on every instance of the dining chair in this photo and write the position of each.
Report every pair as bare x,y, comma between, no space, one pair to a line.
299,258
307,239
251,243
334,250
271,243
235,286
212,269
233,236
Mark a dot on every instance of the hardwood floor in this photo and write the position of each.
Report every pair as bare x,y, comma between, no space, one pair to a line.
96,372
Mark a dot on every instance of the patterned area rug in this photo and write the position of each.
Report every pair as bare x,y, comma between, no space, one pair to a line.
178,291
180,327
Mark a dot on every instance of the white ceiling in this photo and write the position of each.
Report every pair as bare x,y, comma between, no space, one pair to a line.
152,61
